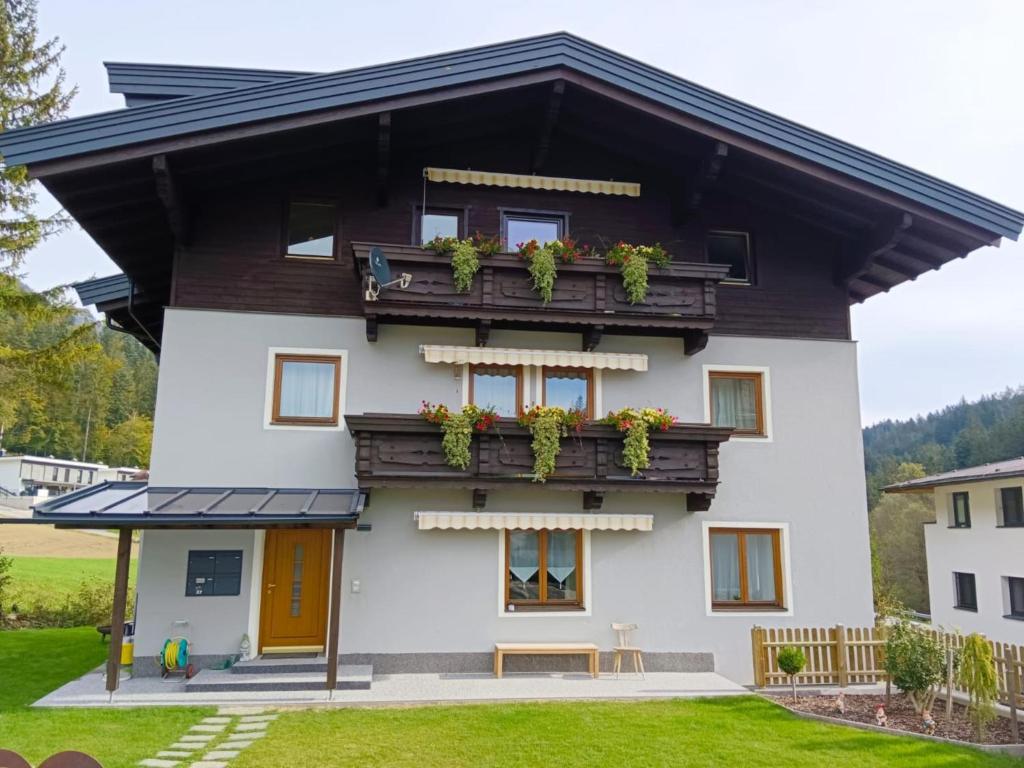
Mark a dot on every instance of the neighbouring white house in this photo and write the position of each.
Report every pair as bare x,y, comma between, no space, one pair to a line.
276,236
975,548
24,475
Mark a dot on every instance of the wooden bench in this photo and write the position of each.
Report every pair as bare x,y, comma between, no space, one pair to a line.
501,650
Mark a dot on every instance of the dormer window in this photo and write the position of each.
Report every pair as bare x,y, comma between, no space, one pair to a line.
311,229
732,248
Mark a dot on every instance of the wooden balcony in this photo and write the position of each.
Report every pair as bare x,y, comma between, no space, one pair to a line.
588,298
403,451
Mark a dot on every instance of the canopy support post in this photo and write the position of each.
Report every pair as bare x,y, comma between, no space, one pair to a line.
124,556
334,621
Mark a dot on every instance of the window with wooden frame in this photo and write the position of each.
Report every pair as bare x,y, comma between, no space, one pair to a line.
437,222
306,389
737,401
497,386
746,568
310,230
543,570
732,248
568,388
961,510
1010,503
523,226
1015,597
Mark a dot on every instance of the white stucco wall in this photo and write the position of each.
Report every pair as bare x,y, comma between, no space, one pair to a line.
989,552
439,591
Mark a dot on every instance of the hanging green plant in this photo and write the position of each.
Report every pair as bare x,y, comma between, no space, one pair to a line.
634,261
637,423
548,425
465,261
540,262
458,428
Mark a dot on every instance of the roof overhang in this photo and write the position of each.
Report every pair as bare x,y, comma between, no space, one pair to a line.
137,505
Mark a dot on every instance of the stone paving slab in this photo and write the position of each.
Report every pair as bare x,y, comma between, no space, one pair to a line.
216,720
245,727
246,735
199,737
237,744
208,764
259,718
152,762
178,753
183,746
221,754
205,728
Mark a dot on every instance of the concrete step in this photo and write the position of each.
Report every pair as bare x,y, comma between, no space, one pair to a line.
269,665
350,678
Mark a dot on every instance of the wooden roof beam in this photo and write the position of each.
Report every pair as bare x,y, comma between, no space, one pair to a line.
554,106
169,192
383,157
883,240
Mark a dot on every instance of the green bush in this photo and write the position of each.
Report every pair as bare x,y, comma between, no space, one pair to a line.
916,663
791,661
977,676
90,605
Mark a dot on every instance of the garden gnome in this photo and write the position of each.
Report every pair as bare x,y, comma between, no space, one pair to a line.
880,717
840,705
928,722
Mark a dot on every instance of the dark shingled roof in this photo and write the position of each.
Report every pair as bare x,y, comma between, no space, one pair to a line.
138,505
306,94
997,470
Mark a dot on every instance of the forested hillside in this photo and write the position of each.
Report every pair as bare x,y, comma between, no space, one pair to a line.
69,386
961,435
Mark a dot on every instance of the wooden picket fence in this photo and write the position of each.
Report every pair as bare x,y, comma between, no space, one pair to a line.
844,656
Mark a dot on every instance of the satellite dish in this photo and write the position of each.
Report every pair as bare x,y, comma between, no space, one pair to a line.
379,267
380,275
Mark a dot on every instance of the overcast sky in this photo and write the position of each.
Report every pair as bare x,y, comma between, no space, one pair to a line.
933,84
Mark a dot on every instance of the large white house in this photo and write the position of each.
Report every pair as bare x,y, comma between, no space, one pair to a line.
270,227
975,548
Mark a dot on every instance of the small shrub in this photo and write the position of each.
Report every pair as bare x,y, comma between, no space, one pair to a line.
916,663
92,604
791,661
6,564
977,676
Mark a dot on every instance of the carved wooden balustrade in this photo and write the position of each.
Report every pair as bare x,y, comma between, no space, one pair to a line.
588,297
404,451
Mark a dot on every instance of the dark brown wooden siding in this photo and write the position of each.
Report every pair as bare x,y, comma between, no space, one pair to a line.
235,260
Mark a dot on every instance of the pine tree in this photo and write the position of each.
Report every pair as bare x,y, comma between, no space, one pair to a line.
32,91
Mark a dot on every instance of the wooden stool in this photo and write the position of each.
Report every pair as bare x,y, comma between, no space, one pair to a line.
624,646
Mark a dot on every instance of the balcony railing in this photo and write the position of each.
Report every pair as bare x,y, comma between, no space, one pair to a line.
588,298
403,451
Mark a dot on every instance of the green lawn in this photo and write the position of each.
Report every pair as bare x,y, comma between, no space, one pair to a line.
34,662
45,579
745,732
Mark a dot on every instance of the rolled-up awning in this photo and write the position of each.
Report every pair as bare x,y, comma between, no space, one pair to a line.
583,521
619,361
528,181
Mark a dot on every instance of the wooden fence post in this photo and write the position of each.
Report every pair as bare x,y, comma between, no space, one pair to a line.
841,666
1011,686
756,640
949,685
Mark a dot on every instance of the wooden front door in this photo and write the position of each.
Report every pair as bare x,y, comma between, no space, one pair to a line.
296,571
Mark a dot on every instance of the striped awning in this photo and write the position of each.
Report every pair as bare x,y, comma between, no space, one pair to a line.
617,361
528,181
582,521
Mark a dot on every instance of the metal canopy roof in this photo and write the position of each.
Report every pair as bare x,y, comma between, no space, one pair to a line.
138,505
307,94
997,470
101,290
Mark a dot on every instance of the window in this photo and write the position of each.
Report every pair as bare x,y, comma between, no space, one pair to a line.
737,400
732,248
525,226
569,388
961,510
439,223
306,389
214,573
1015,587
1011,502
311,230
746,568
497,386
543,569
966,596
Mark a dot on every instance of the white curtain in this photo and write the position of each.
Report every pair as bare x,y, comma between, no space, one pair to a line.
493,388
524,562
307,389
734,403
760,567
725,567
561,562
